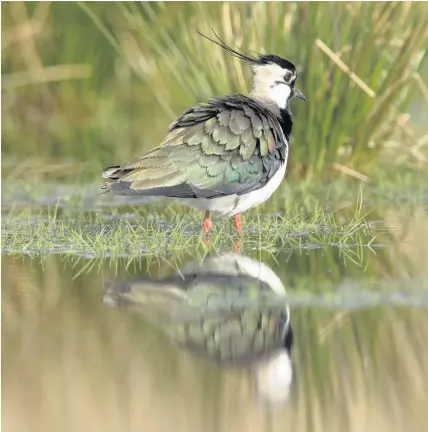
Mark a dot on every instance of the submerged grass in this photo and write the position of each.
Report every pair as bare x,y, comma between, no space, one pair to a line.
43,217
92,235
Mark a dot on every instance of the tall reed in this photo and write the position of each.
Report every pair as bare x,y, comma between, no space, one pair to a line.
127,69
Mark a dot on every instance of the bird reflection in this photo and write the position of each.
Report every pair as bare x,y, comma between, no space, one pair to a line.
229,308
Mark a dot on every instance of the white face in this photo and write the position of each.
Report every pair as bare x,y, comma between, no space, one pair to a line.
273,83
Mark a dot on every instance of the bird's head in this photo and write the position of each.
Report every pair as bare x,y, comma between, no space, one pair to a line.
274,77
275,80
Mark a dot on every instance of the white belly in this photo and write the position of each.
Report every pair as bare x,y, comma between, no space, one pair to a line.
233,204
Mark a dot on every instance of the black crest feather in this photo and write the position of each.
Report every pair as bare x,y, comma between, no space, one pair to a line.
241,55
258,59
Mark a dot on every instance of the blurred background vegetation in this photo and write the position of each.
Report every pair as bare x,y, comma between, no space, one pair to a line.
90,84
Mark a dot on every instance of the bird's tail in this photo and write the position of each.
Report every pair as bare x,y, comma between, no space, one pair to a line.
111,172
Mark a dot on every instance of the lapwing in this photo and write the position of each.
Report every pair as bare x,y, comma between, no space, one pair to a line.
229,308
225,155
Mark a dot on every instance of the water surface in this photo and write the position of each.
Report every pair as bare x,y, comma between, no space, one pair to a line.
300,339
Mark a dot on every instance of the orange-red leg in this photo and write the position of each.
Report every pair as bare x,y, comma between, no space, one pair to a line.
207,224
238,223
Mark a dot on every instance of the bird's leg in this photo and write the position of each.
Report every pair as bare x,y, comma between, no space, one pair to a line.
207,224
238,226
238,222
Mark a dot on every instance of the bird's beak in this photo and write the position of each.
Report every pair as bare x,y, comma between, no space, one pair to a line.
299,94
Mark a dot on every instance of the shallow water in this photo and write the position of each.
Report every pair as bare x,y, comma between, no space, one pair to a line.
314,338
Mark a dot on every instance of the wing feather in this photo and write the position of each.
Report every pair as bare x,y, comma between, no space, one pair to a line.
227,145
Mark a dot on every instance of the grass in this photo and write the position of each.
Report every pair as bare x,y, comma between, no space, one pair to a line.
41,217
151,235
99,83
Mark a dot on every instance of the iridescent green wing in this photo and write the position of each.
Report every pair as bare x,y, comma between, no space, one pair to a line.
211,150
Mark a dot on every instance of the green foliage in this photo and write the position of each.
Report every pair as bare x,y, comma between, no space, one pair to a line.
119,238
130,68
161,231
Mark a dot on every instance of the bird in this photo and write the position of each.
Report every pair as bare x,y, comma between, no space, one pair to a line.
225,155
228,308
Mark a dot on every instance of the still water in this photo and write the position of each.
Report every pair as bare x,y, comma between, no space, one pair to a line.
298,340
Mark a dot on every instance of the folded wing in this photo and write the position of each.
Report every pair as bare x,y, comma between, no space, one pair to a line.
222,147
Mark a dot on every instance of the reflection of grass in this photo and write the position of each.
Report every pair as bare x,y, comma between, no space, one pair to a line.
359,371
146,65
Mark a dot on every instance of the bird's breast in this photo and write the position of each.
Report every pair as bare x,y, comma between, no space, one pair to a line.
261,195
228,206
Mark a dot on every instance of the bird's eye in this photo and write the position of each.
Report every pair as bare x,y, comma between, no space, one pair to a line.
288,77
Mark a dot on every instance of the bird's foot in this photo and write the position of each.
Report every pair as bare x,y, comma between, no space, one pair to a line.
207,224
238,246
